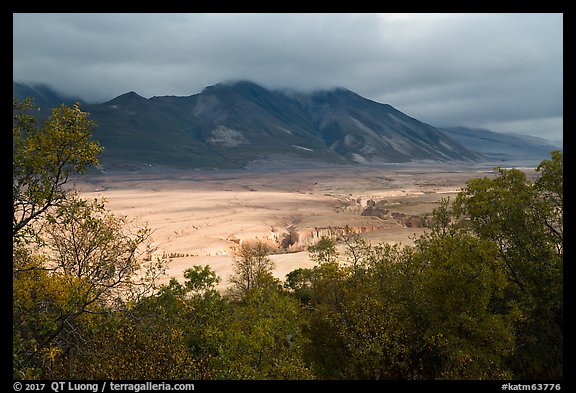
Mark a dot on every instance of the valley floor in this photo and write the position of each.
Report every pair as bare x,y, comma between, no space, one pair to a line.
199,217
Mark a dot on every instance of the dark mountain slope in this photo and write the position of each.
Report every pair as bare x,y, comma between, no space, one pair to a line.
45,98
363,130
231,124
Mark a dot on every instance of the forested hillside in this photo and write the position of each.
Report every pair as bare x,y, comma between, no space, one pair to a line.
478,296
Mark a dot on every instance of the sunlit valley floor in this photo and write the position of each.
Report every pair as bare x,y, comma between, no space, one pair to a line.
199,218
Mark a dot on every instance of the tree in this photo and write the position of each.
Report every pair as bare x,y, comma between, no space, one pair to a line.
99,247
550,190
358,253
262,338
299,282
525,220
44,157
436,310
145,341
259,337
92,268
467,328
252,270
74,263
46,317
200,280
324,251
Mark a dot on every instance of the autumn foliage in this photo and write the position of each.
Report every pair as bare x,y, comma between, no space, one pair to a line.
478,296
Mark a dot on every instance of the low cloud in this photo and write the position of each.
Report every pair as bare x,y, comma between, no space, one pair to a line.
444,69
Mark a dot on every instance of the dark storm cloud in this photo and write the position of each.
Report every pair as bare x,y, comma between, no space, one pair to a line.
502,70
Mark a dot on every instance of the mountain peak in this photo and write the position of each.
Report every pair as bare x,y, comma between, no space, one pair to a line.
129,98
44,95
233,123
131,95
235,85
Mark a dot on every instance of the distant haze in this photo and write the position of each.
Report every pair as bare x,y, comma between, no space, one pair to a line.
502,72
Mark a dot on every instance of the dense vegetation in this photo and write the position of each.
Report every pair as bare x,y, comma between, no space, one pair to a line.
479,296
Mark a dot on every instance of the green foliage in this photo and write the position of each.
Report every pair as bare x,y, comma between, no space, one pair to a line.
324,251
46,312
92,270
129,346
263,339
259,337
252,270
550,183
462,279
478,296
200,279
81,260
525,221
299,282
44,157
91,243
429,316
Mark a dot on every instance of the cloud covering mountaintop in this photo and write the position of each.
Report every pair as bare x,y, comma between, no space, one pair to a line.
496,71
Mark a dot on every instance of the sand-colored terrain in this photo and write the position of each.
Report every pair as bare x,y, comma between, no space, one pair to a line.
198,218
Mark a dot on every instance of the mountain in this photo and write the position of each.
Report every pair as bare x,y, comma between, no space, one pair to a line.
365,131
497,146
230,125
45,97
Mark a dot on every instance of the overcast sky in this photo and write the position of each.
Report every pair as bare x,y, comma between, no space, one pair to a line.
498,71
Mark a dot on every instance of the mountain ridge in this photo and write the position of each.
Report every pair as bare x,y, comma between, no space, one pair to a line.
232,124
503,147
45,97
